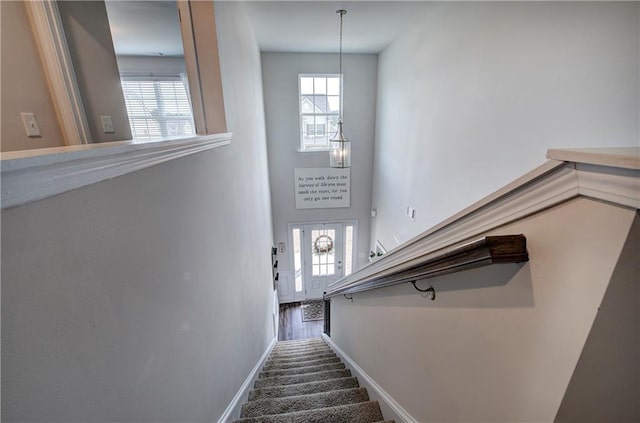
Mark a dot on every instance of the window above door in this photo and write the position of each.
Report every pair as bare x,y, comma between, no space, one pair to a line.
320,103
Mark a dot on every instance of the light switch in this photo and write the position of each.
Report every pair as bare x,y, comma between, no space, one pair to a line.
107,125
30,124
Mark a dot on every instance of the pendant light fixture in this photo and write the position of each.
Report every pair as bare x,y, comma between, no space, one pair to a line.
339,145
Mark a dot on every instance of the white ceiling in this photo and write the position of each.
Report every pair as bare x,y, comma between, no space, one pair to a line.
151,27
314,26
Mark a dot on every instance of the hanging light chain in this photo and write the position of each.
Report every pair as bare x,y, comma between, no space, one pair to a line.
341,12
340,146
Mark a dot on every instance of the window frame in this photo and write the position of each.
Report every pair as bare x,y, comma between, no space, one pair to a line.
155,77
301,146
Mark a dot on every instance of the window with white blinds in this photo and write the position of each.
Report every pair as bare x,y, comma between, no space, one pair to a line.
157,106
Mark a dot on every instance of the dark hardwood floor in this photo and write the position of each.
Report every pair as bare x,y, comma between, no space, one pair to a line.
292,326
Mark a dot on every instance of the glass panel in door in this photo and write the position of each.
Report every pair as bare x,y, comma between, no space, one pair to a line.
323,257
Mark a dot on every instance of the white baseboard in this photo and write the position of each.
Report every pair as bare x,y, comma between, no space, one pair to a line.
390,407
233,409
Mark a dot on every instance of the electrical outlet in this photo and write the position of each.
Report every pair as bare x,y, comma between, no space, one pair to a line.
30,124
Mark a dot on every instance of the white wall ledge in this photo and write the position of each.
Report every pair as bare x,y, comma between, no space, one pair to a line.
32,175
624,157
611,175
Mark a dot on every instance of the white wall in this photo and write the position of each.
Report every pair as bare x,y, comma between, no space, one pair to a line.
147,297
501,343
474,96
154,64
280,79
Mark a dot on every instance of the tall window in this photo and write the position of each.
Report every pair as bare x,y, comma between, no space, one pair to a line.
348,249
297,259
320,104
158,106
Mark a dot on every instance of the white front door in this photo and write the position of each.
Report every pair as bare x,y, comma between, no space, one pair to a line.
322,250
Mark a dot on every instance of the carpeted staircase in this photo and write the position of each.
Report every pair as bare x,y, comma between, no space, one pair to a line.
304,381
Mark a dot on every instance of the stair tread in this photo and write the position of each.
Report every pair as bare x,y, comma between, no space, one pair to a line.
300,370
306,377
298,364
303,388
363,412
289,344
301,353
299,345
305,357
299,341
304,402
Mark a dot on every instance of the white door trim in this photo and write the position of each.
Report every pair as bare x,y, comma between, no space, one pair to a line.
300,225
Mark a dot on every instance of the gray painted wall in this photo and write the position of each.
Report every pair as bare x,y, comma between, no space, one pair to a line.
280,79
24,85
605,386
155,64
128,300
473,97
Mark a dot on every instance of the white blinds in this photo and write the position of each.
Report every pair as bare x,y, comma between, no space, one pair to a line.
157,106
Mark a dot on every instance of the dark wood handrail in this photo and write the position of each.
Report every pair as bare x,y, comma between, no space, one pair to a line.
482,252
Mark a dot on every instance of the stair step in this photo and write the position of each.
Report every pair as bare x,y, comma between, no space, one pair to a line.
304,402
302,357
279,348
301,352
299,347
301,370
297,364
307,377
299,341
282,362
363,412
303,388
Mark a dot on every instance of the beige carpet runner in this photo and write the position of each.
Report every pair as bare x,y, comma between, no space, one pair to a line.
304,381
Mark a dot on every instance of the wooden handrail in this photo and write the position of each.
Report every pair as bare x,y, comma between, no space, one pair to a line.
482,252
